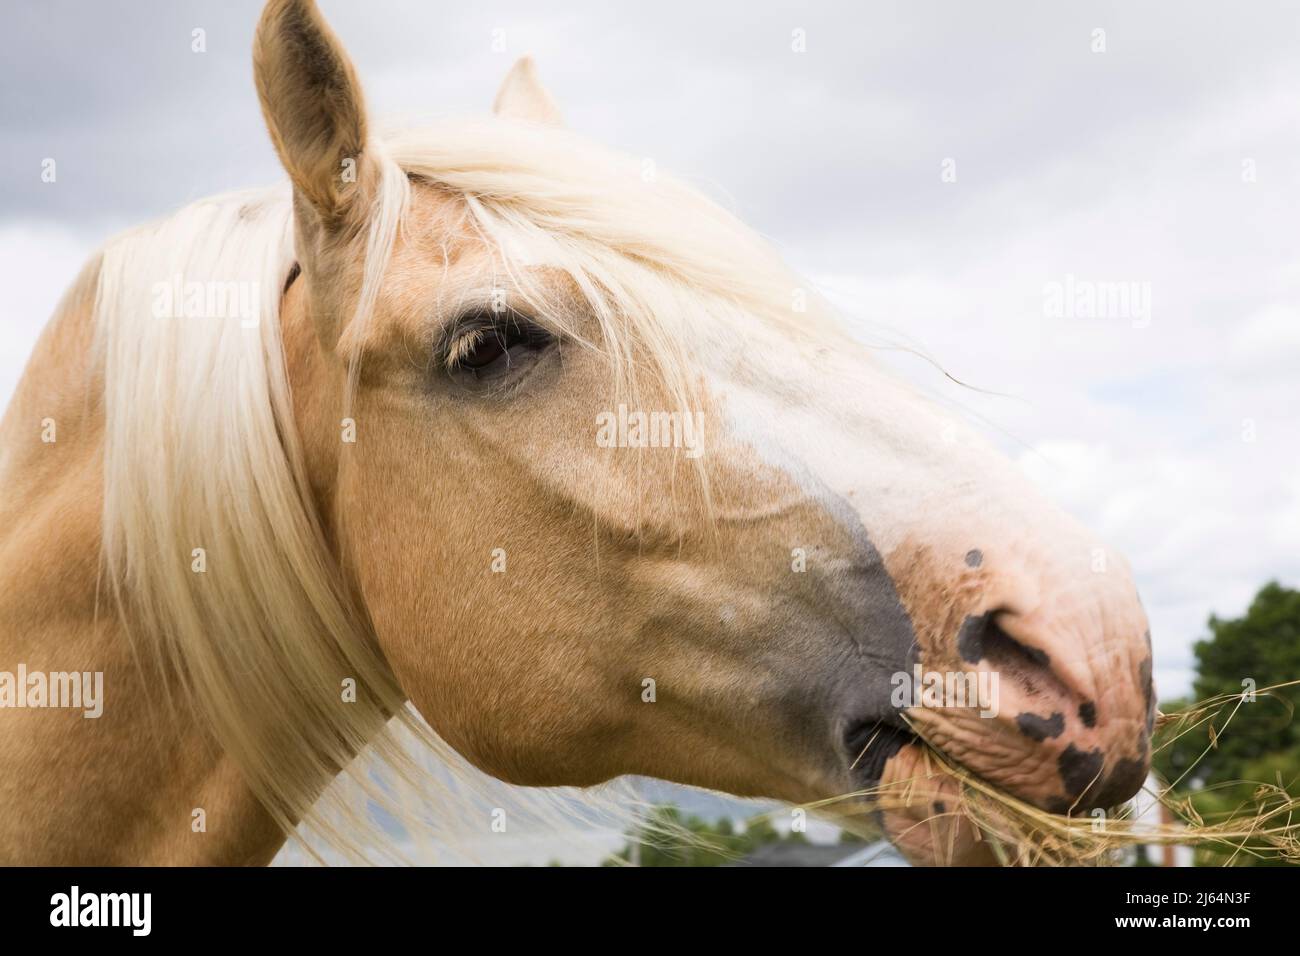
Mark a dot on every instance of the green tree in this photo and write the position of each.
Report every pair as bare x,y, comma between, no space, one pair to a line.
1221,764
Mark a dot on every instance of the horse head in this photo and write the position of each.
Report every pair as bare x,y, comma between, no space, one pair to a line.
620,497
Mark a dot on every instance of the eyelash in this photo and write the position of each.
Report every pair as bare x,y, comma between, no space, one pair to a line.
470,330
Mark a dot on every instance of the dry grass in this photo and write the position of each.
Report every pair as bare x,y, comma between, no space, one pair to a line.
1265,827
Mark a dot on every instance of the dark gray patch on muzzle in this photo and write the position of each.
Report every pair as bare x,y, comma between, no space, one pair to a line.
1123,781
866,601
1041,728
1079,769
1088,713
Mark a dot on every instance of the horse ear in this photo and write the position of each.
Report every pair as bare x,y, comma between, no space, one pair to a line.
522,97
313,105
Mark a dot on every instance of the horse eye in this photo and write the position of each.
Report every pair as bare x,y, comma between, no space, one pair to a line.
488,345
484,352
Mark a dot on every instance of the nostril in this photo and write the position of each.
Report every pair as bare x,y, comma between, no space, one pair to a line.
983,641
982,638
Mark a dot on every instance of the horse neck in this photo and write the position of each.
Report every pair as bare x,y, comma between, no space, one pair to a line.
122,788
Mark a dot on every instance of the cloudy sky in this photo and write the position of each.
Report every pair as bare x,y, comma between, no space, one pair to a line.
936,167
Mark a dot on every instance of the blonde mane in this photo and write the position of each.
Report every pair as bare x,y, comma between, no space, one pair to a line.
212,548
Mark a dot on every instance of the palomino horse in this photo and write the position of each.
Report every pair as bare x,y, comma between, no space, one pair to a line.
479,421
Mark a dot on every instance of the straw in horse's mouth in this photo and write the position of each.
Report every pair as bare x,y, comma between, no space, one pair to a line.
1265,827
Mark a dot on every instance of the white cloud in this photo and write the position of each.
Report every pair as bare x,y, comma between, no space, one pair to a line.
1267,342
1196,543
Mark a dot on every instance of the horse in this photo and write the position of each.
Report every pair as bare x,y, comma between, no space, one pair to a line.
481,430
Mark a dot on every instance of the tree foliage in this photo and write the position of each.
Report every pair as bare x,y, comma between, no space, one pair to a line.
1250,742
